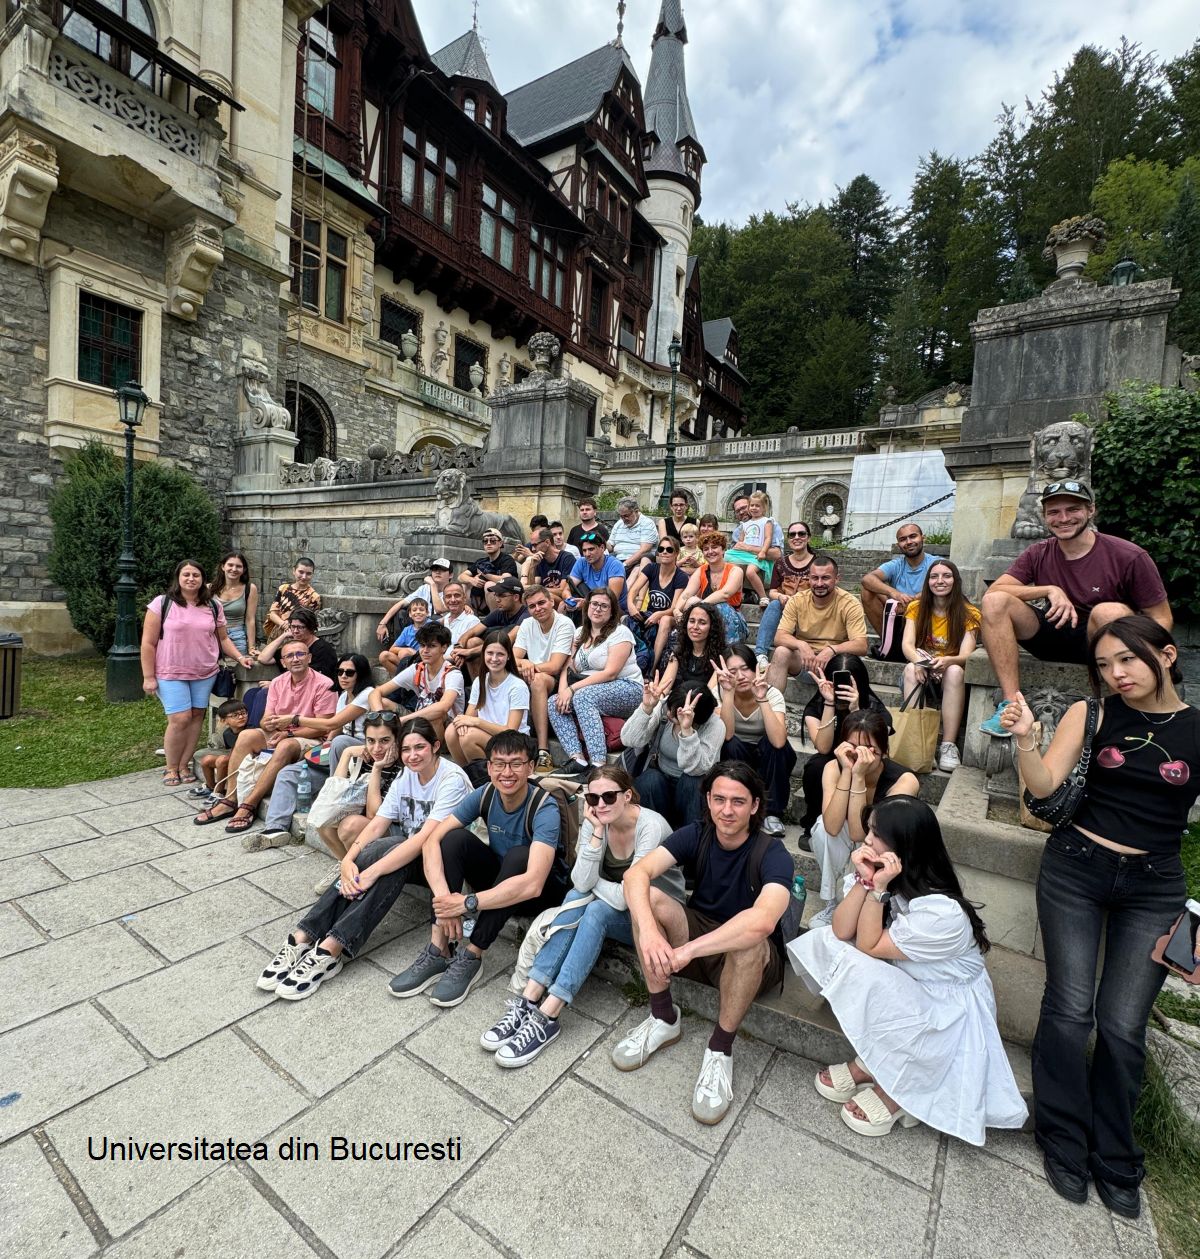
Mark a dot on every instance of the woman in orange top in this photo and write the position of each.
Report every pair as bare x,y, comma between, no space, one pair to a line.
940,630
717,583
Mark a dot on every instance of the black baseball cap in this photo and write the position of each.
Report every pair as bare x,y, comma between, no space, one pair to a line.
508,586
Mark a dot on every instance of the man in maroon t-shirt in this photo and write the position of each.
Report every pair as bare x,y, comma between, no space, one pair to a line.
1086,578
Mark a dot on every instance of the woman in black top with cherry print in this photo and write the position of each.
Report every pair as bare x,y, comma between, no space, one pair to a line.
1119,855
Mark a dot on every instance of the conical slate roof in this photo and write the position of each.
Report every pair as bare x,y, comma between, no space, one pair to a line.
465,57
665,100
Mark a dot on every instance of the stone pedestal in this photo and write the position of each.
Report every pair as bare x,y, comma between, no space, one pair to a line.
537,458
1037,363
258,457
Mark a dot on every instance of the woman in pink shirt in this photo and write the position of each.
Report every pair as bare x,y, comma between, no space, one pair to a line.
183,636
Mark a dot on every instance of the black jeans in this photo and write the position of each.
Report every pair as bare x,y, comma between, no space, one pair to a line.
351,922
467,859
774,764
814,767
1085,1119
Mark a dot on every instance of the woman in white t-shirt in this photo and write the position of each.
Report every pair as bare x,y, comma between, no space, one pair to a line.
601,680
499,701
374,871
755,717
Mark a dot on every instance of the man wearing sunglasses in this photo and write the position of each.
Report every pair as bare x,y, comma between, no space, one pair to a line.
1079,579
519,871
548,565
597,568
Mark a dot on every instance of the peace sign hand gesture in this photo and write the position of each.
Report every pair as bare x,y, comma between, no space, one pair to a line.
723,676
824,685
685,714
652,692
760,683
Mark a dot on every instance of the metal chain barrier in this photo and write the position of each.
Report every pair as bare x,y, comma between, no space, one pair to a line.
862,533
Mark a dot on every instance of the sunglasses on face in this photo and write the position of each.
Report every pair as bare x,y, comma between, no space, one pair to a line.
797,533
347,673
595,798
665,550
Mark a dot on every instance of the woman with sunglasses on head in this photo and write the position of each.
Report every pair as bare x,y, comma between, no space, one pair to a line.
617,830
499,701
238,595
1112,874
384,856
718,584
754,718
679,740
789,577
940,632
602,679
654,593
698,649
902,968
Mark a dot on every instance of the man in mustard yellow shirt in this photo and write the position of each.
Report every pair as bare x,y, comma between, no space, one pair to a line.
816,625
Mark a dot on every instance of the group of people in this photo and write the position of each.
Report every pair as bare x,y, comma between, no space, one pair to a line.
636,644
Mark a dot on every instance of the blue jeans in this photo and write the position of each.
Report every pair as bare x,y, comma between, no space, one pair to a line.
1085,1118
567,958
772,614
676,799
282,805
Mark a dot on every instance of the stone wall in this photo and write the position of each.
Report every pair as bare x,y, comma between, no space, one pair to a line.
363,416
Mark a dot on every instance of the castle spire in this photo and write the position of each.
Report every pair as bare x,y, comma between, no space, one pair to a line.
677,151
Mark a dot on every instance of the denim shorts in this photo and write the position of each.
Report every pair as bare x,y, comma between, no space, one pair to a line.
177,695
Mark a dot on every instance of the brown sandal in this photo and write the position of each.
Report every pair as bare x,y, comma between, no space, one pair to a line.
206,817
237,823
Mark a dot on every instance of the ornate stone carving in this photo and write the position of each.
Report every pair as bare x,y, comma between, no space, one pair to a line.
504,367
441,356
544,348
28,178
1056,453
320,472
412,570
137,110
194,251
456,512
259,411
332,624
32,28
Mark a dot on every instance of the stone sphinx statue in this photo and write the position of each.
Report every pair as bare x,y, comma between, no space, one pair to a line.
1058,452
458,513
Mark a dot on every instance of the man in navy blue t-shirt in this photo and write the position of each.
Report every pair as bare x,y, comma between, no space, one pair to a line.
726,935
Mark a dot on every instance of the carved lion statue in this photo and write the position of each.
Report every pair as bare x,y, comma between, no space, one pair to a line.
458,513
1056,453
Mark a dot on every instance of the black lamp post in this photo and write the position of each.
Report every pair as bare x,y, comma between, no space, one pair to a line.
123,674
1122,274
664,502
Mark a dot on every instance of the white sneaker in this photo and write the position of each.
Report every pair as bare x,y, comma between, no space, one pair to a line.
314,967
761,657
947,757
773,826
714,1088
824,918
646,1039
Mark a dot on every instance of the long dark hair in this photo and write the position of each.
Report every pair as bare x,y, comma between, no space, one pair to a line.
871,723
175,592
586,628
500,637
956,615
362,671
1145,638
714,644
218,581
910,828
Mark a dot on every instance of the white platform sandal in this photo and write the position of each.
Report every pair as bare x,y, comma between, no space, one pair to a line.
845,1086
880,1121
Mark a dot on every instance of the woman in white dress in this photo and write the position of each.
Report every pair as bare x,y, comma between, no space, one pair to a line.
902,969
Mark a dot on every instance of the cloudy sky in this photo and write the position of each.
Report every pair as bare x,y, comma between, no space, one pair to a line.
796,97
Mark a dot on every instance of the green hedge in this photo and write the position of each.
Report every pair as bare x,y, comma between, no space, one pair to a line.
173,518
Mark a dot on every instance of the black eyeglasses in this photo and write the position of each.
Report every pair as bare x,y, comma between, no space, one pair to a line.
595,798
382,718
347,673
797,533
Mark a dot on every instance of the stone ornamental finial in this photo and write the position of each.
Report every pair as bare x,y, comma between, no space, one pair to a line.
1070,243
544,347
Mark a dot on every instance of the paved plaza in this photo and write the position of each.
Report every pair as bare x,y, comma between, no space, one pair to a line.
131,940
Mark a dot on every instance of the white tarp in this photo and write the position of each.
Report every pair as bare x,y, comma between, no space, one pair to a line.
889,485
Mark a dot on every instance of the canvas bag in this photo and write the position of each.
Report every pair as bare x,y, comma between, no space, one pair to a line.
917,726
339,797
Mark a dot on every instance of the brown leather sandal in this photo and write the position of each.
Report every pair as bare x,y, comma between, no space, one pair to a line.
206,817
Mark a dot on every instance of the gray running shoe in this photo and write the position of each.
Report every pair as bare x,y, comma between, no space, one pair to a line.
516,1011
426,970
460,977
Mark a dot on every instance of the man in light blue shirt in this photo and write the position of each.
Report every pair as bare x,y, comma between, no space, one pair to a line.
596,568
901,578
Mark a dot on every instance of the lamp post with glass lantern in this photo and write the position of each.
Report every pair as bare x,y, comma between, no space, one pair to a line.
123,673
664,502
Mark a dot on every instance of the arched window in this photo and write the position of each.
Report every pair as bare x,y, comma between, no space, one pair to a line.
469,106
85,33
315,428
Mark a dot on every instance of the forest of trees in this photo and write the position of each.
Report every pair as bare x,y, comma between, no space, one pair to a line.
836,303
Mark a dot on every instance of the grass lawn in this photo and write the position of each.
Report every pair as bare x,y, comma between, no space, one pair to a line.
66,732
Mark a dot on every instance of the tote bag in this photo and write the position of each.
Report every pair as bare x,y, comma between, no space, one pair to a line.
915,741
339,797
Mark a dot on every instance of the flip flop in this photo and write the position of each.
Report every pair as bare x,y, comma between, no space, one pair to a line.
206,817
237,823
172,779
187,778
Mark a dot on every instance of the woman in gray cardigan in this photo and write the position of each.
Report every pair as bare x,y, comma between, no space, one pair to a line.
672,743
617,831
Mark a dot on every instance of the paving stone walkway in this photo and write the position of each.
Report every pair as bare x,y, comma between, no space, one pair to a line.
129,944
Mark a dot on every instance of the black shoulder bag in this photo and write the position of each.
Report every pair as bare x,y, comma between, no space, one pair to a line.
1059,806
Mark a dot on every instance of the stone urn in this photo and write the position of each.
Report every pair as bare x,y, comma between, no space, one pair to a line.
476,374
409,345
1071,243
1071,256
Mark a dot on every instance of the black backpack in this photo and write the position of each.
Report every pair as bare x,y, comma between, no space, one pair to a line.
166,607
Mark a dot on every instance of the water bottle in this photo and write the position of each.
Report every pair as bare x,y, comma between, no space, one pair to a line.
303,790
799,892
467,927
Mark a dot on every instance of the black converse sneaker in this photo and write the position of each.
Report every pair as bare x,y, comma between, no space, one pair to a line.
282,964
509,1024
316,966
534,1034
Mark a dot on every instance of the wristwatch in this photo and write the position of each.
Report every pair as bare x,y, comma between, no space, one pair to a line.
881,897
471,904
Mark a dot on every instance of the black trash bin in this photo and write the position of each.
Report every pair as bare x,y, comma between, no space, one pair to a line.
10,674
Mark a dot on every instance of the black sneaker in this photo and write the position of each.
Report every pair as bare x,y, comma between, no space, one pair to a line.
535,1033
429,967
575,768
506,1027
